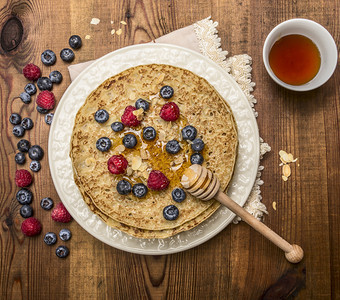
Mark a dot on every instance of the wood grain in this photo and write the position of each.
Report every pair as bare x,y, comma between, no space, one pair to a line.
236,264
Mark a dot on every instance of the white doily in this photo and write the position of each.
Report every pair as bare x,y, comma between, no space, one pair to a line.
239,67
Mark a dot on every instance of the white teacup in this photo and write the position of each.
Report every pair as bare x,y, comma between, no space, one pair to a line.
321,38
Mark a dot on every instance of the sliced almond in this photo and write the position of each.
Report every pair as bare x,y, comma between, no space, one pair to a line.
119,31
274,205
143,167
120,148
178,160
139,113
143,154
161,135
129,171
290,157
136,162
87,37
286,171
113,31
123,22
284,178
94,21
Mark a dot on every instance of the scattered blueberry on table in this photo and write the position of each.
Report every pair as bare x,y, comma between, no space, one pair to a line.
18,131
65,234
44,83
48,57
23,145
49,118
27,123
35,166
36,152
26,211
62,251
15,119
75,41
20,158
67,55
25,98
30,88
46,203
50,238
56,77
24,196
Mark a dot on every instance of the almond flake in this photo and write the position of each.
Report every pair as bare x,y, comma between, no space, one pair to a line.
136,163
87,37
161,135
120,148
129,171
139,113
274,205
95,21
143,167
111,22
178,160
143,154
123,22
113,31
119,31
284,178
290,157
286,171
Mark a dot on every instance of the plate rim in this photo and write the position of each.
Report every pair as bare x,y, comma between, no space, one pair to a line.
141,251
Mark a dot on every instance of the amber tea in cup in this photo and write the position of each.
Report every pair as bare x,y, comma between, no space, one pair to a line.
295,59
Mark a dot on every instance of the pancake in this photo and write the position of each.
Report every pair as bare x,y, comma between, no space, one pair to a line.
200,106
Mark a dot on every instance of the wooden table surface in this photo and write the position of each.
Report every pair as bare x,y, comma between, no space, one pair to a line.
238,263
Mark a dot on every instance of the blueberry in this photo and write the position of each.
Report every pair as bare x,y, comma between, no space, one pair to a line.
196,158
25,97
27,123
65,234
49,118
149,133
197,145
103,144
15,119
46,203
42,110
44,83
36,152
30,89
166,92
178,195
129,141
50,238
35,166
20,158
62,251
48,58
75,41
18,131
139,190
170,212
189,133
172,147
23,145
117,126
24,196
26,211
101,116
55,77
67,55
123,187
141,103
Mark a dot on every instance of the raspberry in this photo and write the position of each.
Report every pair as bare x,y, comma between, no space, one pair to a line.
46,100
31,227
60,214
169,112
23,178
157,181
117,164
31,72
128,118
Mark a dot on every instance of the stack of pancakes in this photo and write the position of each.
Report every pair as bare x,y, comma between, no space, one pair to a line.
200,106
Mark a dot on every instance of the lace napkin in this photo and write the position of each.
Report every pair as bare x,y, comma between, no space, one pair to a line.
202,37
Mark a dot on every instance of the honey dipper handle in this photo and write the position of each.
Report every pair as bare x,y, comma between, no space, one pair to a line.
293,253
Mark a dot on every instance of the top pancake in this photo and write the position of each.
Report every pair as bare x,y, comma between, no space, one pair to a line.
200,106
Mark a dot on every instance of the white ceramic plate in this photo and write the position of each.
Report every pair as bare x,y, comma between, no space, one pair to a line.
111,64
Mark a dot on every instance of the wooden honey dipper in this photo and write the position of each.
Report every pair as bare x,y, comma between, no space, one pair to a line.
203,184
